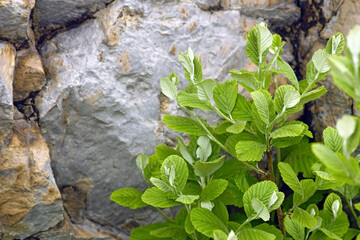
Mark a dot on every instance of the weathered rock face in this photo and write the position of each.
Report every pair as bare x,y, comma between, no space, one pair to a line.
54,14
7,66
29,74
30,201
14,20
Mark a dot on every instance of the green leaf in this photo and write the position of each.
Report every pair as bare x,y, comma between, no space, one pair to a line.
143,232
219,235
262,191
328,205
270,229
294,229
197,69
189,228
260,209
161,185
291,98
192,100
264,105
187,199
221,212
170,231
304,218
250,150
289,177
205,89
255,234
320,61
288,130
183,124
242,110
152,169
332,139
349,129
282,106
163,151
309,189
174,172
206,222
168,88
141,161
188,65
128,197
357,206
204,169
185,152
157,198
350,234
288,72
312,95
330,234
237,127
246,79
204,150
258,42
336,44
225,95
312,74
214,189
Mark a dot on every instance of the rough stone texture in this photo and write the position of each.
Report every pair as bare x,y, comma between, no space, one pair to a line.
319,22
54,14
29,74
209,4
30,201
7,64
14,20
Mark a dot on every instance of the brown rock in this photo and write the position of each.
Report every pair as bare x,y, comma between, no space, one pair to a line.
29,198
29,74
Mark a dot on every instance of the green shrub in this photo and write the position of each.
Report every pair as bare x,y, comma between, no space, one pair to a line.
219,165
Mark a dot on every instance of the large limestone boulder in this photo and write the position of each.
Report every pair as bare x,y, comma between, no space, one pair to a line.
7,65
30,201
14,20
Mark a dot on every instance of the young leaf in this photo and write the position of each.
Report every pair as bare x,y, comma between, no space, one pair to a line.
168,87
204,150
206,222
294,229
185,152
183,124
290,178
260,209
220,235
214,189
128,197
354,45
329,205
263,192
174,172
205,89
237,127
336,44
288,72
304,218
264,105
204,169
192,100
225,96
288,104
141,161
188,65
320,61
157,198
250,150
258,42
291,98
288,130
187,199
349,129
255,234
163,186
242,109
332,139
312,95
246,79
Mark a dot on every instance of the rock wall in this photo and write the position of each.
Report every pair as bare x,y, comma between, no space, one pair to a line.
80,96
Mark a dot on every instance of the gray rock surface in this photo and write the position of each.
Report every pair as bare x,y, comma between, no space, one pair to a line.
7,66
54,14
101,108
14,20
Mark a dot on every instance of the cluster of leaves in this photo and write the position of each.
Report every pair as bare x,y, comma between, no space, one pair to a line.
204,182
